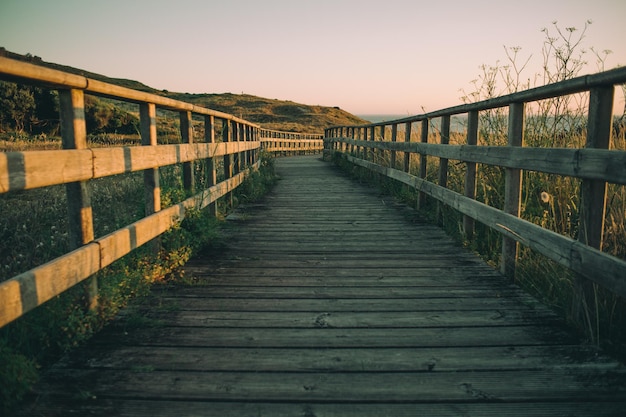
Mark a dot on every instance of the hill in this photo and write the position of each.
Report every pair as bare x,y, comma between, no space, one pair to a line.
273,114
269,113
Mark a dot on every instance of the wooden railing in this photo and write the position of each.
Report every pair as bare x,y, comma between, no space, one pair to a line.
76,165
289,142
595,165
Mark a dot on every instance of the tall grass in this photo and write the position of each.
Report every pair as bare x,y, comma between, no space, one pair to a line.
551,201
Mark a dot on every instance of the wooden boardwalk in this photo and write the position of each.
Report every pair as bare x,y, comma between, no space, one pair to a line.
331,301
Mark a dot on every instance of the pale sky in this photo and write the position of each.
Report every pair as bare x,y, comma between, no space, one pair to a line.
365,56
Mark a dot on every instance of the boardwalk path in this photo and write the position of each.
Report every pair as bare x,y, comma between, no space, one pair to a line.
330,301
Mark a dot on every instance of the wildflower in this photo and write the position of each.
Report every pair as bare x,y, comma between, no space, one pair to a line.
545,197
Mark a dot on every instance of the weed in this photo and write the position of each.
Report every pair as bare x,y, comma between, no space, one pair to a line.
550,201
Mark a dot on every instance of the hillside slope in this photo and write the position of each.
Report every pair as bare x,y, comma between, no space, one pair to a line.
273,114
269,113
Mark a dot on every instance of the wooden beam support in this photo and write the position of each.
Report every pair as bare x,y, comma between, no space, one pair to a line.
211,172
74,136
186,133
470,172
593,207
443,165
512,190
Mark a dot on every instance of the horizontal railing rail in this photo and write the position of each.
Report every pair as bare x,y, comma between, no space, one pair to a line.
288,142
76,165
595,165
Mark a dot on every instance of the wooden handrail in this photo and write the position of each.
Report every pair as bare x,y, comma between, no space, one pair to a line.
595,165
76,165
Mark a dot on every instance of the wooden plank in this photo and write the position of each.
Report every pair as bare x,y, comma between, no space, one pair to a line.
423,261
113,161
598,164
340,291
348,337
157,408
47,76
512,190
210,302
448,359
310,276
211,166
152,187
186,134
324,387
593,208
34,169
80,212
470,173
353,319
121,242
26,291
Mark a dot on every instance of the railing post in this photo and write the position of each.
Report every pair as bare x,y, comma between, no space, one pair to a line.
74,136
470,172
186,133
352,135
256,137
228,166
394,137
512,189
593,206
249,138
338,145
236,156
380,155
443,165
372,150
152,186
421,197
209,137
364,138
407,155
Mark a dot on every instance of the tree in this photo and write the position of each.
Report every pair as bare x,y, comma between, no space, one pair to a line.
17,104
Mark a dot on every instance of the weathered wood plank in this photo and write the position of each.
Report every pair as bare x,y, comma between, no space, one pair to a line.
373,387
352,319
105,407
33,169
113,161
26,291
310,277
446,359
348,337
341,291
413,305
581,163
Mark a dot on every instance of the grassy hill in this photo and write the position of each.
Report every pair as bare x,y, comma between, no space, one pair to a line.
273,114
269,113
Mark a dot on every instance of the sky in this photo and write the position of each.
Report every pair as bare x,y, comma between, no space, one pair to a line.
400,57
